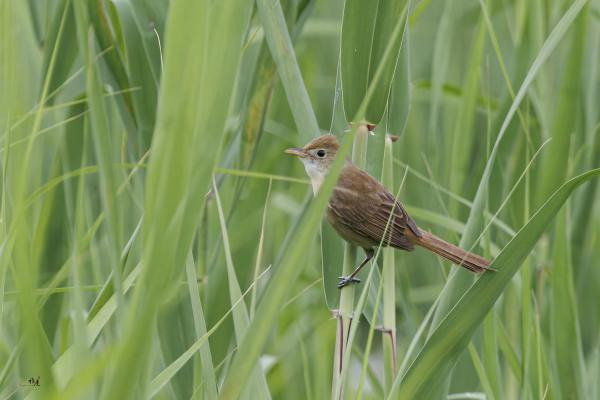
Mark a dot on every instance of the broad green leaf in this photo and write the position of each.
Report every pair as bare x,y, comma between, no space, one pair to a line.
367,29
188,120
400,93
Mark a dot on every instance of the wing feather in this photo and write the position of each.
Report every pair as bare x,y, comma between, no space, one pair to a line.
363,205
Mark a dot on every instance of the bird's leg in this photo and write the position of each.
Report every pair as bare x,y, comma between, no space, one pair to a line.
346,280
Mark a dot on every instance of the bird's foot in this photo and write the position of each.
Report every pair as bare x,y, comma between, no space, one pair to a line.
346,280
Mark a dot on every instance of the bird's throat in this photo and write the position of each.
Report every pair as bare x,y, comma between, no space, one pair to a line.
316,175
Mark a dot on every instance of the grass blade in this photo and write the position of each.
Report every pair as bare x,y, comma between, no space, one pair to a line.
209,380
566,340
185,123
440,352
460,280
280,44
241,319
367,29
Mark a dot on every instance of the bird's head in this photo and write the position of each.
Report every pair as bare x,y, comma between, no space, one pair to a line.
317,157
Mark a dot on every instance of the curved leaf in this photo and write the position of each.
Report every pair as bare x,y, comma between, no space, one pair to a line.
367,28
439,354
187,119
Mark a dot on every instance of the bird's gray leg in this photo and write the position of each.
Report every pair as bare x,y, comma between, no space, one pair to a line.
346,280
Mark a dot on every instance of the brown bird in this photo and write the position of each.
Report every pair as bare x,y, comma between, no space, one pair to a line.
360,207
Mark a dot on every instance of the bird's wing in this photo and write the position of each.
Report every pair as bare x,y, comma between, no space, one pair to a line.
363,205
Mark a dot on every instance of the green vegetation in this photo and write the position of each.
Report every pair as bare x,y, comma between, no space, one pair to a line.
155,242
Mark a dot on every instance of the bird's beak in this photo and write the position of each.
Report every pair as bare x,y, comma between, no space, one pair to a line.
296,152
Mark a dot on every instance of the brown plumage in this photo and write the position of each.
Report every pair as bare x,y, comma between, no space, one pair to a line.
362,210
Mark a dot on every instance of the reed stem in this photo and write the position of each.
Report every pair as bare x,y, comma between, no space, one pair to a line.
344,314
389,288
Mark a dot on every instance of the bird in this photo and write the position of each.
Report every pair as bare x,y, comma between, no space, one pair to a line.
363,211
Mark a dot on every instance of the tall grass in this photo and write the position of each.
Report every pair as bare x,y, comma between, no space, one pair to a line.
155,241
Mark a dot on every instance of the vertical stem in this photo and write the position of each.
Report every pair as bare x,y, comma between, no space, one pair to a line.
344,321
344,315
359,149
526,316
389,289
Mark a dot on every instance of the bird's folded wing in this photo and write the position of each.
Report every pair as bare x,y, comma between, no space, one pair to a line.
368,214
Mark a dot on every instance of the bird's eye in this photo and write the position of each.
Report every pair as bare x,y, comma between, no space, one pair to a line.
321,153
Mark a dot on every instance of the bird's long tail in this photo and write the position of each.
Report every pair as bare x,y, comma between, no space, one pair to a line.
456,255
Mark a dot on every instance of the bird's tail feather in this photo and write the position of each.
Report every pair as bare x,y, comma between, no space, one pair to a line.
456,255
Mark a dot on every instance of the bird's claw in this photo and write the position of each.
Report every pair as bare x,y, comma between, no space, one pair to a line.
346,280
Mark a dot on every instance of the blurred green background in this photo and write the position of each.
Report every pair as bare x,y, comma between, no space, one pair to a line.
155,242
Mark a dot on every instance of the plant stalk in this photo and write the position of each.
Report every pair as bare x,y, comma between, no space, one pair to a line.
344,314
389,288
